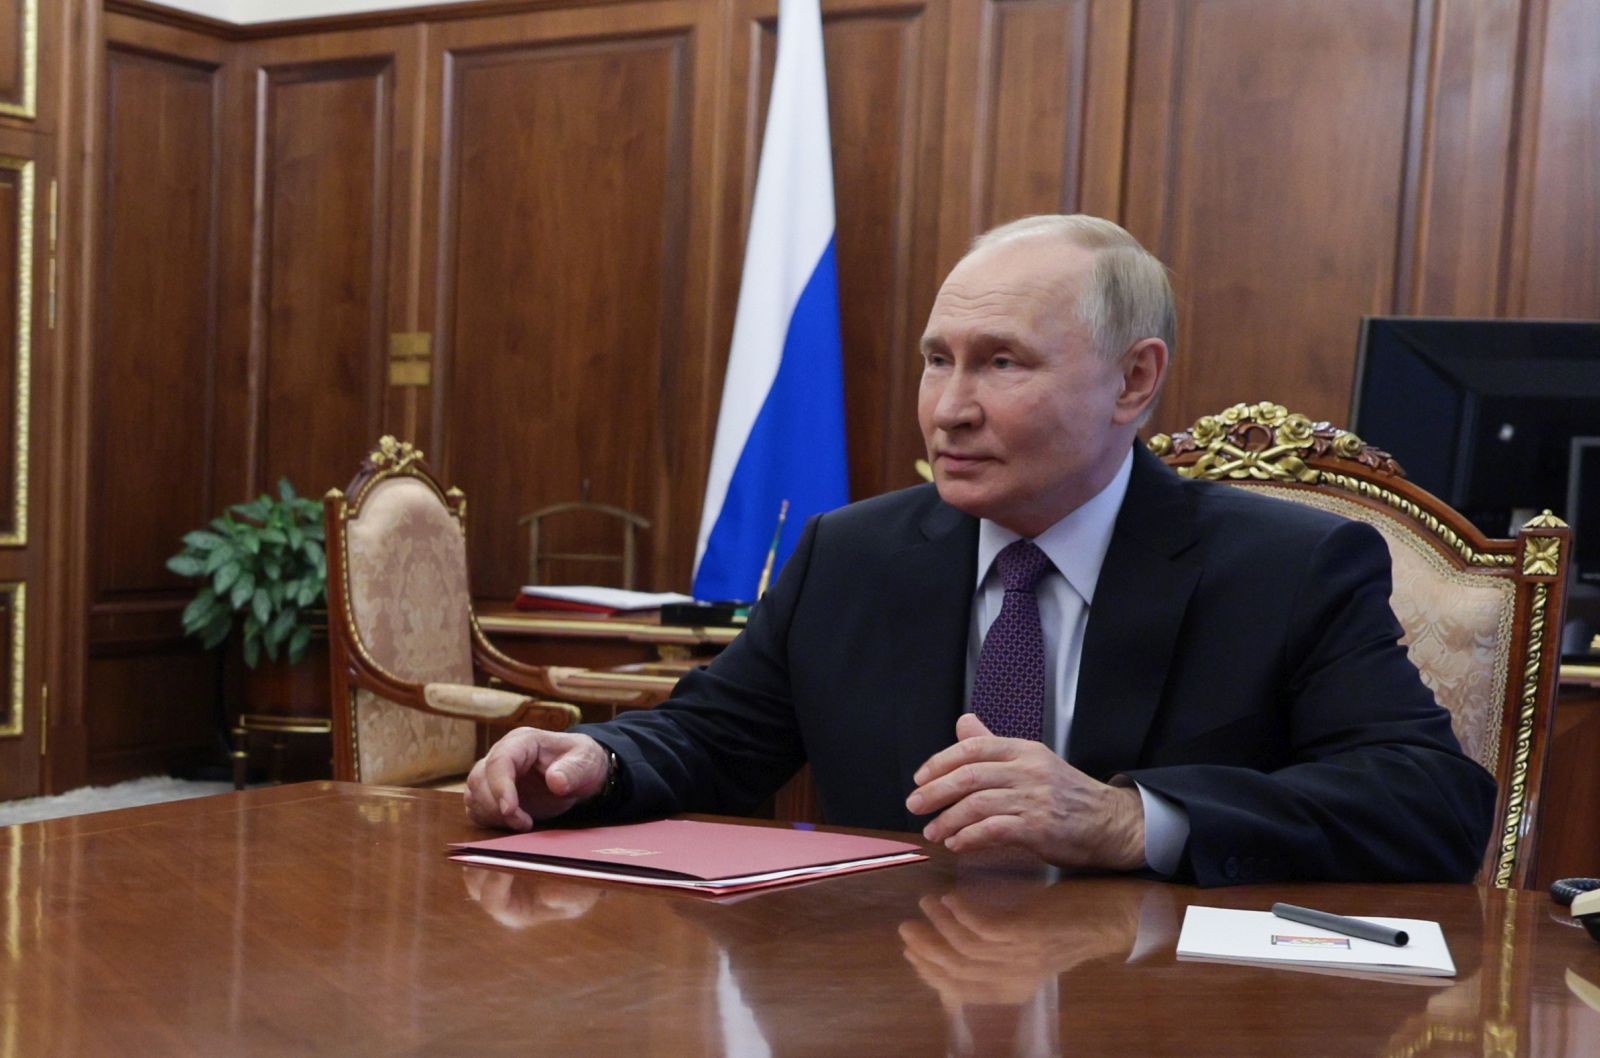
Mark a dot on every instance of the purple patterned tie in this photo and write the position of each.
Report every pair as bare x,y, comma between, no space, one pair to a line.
1008,690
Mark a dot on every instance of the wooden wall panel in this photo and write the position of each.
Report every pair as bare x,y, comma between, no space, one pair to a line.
1459,161
1265,175
156,346
882,101
1555,270
1031,110
135,731
566,200
324,167
1034,113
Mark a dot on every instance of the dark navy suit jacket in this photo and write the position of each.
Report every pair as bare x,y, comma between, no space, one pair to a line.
1240,658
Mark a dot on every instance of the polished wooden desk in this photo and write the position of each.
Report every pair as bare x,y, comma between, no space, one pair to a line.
324,918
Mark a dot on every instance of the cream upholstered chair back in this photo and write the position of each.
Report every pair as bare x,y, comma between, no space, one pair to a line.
1481,616
407,569
402,556
405,650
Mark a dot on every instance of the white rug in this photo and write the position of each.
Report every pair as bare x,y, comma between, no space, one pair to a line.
147,791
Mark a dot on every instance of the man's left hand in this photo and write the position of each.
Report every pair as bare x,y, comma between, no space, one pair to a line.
993,792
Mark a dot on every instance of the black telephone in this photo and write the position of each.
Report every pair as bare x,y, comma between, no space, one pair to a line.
1583,894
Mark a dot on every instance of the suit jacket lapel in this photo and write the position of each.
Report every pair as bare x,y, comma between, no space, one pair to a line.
1139,604
929,612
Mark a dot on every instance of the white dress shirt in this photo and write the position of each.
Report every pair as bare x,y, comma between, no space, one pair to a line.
1076,547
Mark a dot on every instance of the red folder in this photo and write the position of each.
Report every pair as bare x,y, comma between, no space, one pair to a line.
687,854
524,601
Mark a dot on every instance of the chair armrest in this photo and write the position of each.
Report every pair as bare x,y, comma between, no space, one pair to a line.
488,703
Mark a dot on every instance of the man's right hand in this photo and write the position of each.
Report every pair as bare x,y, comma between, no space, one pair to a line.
531,774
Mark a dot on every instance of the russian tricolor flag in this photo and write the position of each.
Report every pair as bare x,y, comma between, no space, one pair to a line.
780,433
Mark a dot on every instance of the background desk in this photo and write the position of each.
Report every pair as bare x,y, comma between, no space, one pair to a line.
1569,822
553,638
324,919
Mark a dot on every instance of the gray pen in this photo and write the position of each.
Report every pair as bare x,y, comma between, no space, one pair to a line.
1350,927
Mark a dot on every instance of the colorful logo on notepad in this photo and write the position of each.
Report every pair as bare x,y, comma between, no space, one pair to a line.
1288,940
626,852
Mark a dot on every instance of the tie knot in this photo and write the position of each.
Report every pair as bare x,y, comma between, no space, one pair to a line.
1021,564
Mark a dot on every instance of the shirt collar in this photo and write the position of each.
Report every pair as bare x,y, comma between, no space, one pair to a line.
1076,545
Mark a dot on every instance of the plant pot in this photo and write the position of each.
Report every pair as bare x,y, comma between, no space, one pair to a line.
279,713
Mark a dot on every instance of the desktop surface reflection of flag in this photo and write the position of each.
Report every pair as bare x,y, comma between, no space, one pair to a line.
780,431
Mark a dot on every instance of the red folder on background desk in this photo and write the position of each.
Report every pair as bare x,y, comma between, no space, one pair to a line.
714,858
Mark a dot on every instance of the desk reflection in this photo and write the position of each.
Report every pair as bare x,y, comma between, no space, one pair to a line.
522,901
995,951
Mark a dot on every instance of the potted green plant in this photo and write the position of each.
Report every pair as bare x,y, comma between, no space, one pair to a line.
261,563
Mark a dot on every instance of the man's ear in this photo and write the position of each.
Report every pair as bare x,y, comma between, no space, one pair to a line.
1144,366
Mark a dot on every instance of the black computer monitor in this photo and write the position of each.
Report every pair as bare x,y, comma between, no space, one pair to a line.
1498,418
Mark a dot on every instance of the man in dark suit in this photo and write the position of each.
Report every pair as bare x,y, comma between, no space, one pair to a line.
1061,646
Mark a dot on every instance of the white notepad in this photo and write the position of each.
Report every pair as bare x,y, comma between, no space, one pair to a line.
1226,935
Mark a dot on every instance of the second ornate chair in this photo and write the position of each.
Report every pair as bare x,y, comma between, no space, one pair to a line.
405,649
1482,617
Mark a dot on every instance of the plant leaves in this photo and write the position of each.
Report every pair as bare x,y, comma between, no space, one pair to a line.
214,635
263,559
215,560
186,565
226,575
243,589
200,609
201,540
261,605
298,643
282,625
256,509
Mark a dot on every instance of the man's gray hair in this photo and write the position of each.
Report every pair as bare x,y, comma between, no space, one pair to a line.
1128,298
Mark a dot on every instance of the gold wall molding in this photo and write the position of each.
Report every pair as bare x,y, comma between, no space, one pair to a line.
28,106
17,535
17,592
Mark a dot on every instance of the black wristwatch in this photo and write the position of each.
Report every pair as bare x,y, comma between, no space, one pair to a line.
608,792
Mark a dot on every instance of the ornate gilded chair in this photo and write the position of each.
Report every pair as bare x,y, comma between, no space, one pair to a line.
405,648
1482,617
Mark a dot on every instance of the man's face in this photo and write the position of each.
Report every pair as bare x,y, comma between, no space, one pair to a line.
1017,409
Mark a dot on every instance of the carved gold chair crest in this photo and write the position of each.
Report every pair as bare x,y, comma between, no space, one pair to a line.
405,648
1482,617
